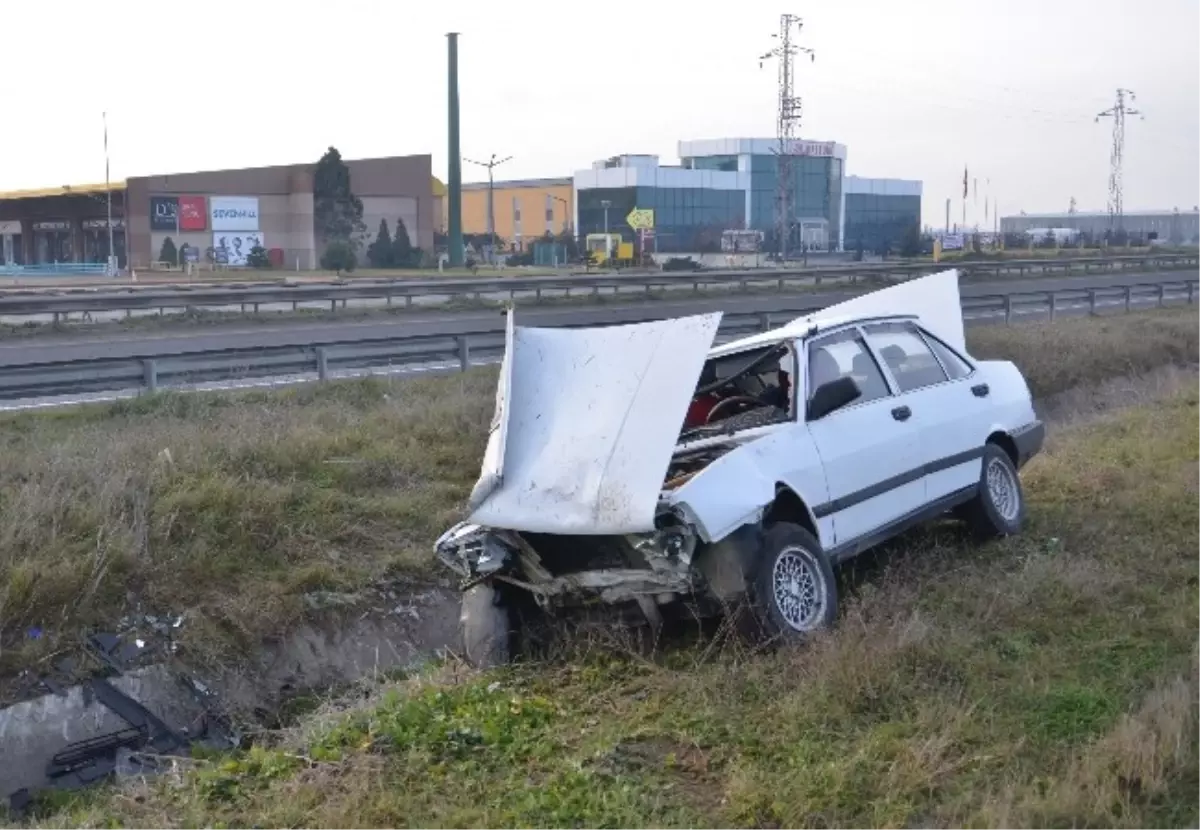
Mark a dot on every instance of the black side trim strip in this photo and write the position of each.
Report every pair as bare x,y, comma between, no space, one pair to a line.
894,528
879,488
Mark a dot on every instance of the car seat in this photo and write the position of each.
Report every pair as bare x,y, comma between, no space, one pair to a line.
823,368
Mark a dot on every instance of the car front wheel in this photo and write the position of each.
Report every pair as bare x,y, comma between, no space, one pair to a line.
998,509
485,625
794,591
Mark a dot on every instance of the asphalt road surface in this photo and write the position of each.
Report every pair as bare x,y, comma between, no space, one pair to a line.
118,344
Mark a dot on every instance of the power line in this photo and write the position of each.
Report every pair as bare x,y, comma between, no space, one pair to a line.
787,120
1117,113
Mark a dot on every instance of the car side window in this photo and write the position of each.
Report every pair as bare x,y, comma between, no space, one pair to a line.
955,366
904,351
845,355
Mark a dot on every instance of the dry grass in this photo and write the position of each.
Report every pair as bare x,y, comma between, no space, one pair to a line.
1047,680
1085,351
227,508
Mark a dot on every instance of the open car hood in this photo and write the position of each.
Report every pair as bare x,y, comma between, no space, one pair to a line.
585,425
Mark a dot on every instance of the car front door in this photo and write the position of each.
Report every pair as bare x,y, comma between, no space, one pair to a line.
949,410
869,448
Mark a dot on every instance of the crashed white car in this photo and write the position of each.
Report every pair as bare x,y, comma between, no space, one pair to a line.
640,468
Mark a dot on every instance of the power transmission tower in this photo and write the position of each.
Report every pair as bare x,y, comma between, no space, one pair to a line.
786,121
1118,111
490,164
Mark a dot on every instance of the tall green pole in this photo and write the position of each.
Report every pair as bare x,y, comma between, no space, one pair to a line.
455,184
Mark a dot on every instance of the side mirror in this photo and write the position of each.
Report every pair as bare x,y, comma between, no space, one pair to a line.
832,396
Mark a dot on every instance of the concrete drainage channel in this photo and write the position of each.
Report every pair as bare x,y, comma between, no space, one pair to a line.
127,701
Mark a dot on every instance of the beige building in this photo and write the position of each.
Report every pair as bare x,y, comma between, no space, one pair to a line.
230,211
524,209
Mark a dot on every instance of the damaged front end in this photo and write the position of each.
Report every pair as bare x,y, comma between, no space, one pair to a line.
562,572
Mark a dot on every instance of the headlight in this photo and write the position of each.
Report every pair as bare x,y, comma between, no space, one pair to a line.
471,550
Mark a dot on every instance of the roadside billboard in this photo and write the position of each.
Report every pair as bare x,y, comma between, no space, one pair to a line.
233,213
193,213
164,211
236,245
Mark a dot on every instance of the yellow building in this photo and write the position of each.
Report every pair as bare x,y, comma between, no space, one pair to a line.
525,209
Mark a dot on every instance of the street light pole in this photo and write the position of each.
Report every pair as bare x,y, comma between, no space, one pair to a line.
604,203
566,212
490,164
108,188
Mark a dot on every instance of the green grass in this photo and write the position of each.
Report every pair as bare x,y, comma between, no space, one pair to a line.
1045,680
229,508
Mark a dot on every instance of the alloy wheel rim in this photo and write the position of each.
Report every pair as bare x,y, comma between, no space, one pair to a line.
798,588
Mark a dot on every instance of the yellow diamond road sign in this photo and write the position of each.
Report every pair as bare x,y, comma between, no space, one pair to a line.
640,219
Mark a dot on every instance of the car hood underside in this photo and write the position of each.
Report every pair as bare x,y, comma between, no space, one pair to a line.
586,422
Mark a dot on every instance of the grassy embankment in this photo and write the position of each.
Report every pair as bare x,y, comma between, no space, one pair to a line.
231,507
1046,680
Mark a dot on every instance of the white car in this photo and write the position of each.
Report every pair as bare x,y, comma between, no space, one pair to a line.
640,468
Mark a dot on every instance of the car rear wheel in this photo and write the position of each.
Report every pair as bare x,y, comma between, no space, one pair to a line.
998,509
794,592
485,624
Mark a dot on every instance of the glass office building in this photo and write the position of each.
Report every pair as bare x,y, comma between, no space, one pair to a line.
727,184
691,207
879,213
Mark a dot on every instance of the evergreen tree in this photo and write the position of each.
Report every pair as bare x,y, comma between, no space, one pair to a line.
403,255
380,252
337,212
168,253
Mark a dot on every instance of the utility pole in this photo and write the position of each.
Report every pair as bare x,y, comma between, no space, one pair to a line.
491,164
108,188
1117,112
454,194
787,119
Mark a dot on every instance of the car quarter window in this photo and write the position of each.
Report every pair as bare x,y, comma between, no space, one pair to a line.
906,354
845,355
955,366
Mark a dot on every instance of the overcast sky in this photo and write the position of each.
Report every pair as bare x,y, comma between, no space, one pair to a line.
914,89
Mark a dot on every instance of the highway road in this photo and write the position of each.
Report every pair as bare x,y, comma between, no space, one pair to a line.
126,344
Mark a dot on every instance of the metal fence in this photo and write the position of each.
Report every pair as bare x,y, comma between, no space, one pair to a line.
60,269
111,302
483,342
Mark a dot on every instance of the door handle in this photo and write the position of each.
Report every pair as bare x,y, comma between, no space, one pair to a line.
901,413
980,390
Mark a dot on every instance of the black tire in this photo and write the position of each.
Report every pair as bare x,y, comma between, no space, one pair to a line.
781,613
485,625
998,509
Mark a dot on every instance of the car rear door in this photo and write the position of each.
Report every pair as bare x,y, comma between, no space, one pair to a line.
869,448
949,403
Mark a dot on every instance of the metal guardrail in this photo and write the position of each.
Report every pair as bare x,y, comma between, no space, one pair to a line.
485,343
41,303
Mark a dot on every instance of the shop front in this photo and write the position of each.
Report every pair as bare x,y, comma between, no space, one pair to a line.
11,252
52,242
95,240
